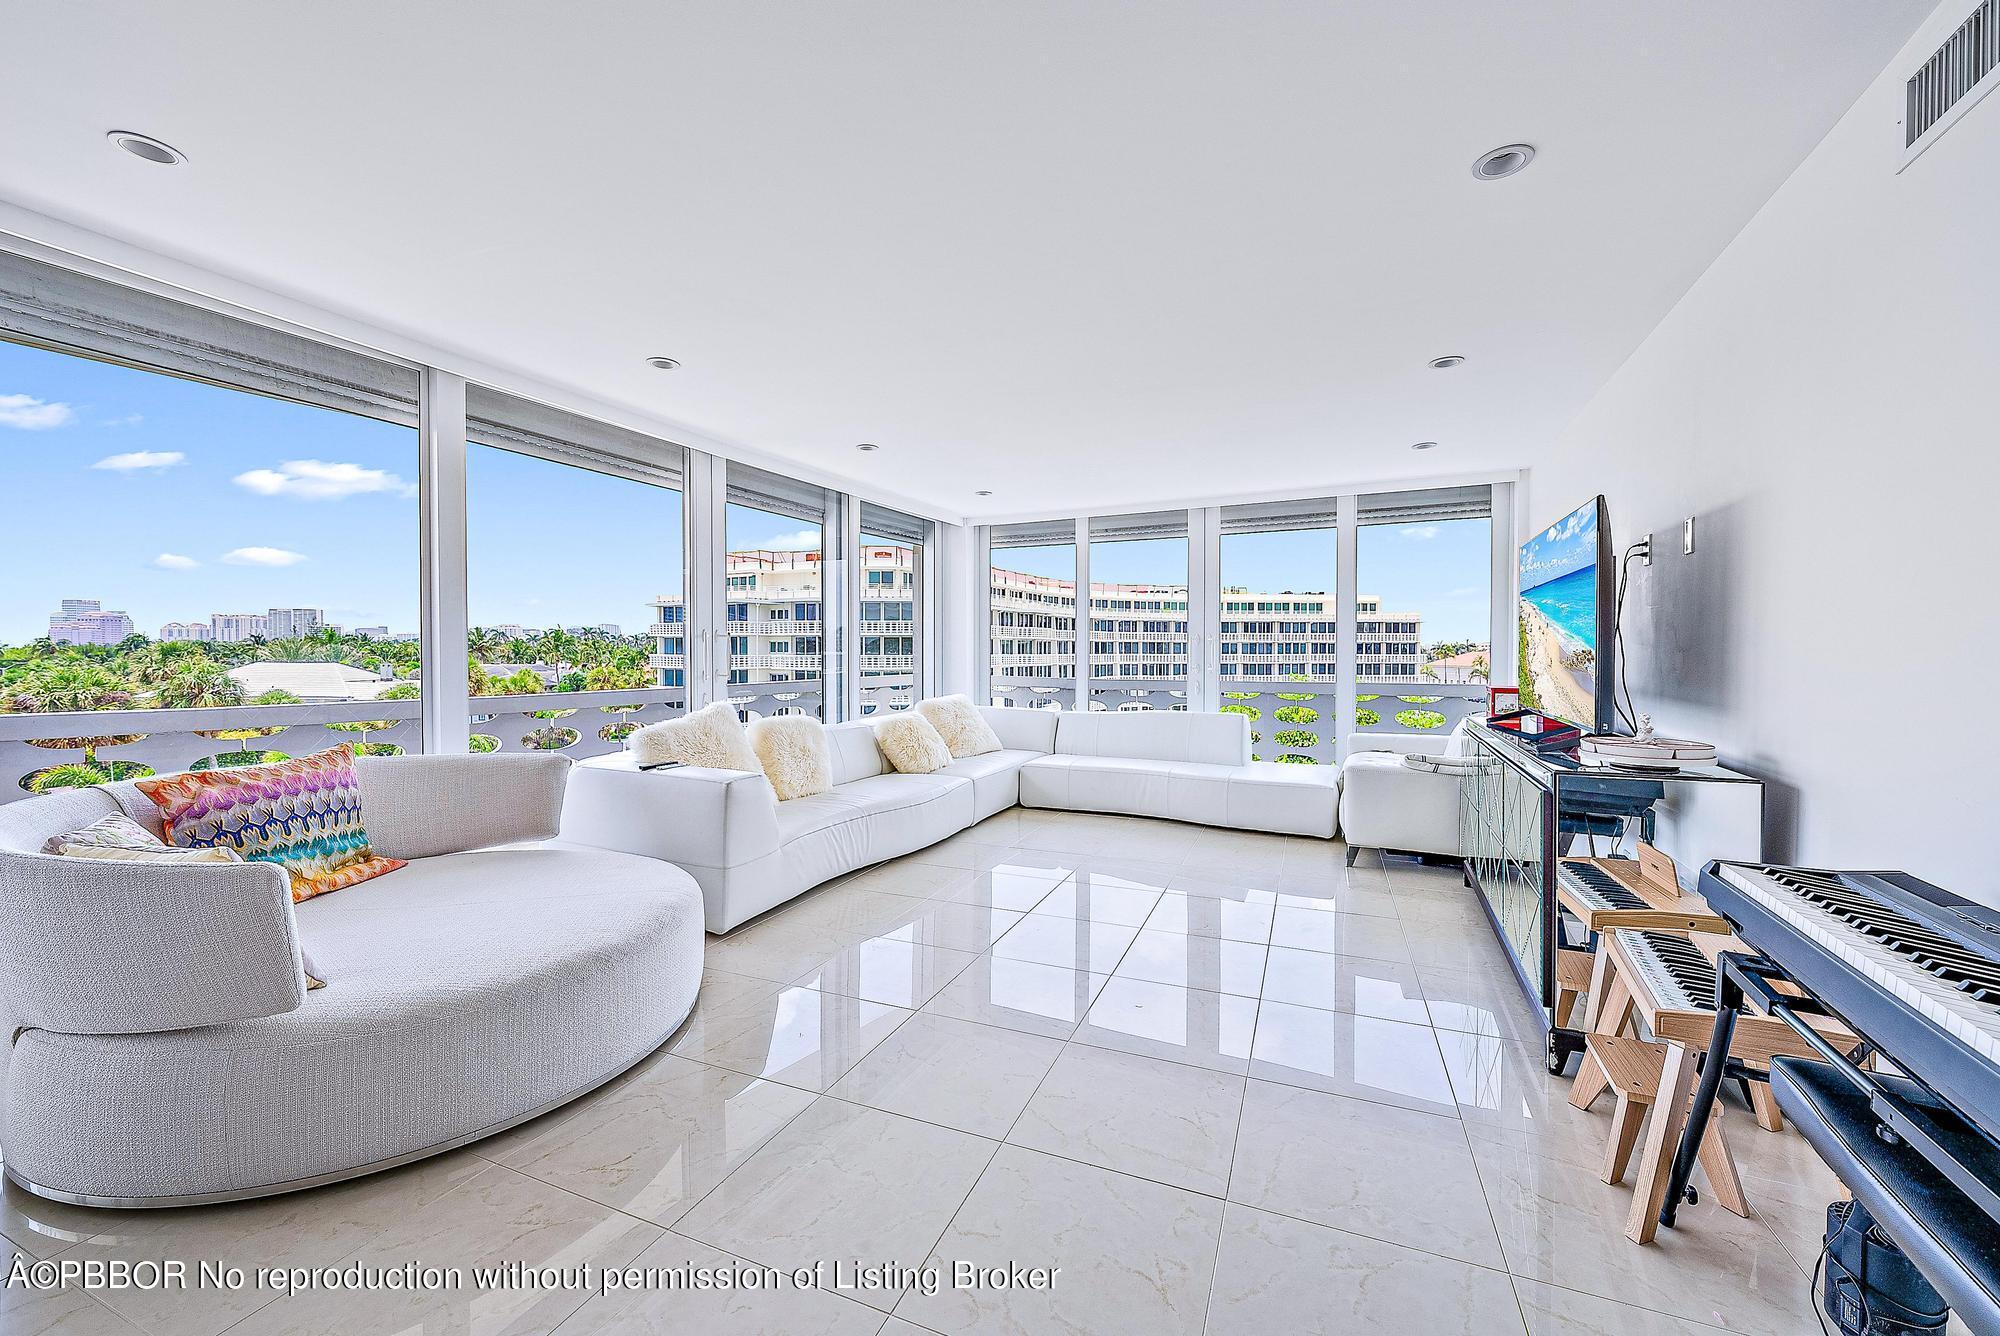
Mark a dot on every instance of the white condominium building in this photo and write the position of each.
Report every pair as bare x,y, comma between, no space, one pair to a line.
774,619
1141,632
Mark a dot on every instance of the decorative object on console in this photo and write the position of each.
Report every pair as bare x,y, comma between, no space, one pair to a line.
912,745
793,752
303,814
711,738
958,721
1647,751
1499,700
1537,730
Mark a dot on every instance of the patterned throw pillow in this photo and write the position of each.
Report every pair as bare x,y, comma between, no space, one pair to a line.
118,838
304,815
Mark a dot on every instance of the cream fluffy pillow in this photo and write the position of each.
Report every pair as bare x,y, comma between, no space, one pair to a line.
794,753
711,737
911,745
958,721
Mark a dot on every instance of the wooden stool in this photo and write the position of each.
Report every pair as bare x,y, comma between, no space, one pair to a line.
1633,1068
1573,977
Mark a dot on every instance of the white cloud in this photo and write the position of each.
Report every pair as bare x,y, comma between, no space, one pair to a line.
318,480
129,420
141,459
31,414
1421,532
174,561
262,556
803,540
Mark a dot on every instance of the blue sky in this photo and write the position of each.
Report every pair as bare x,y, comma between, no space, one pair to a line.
170,500
1437,570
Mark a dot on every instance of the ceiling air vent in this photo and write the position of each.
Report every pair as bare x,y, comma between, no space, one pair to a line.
1955,77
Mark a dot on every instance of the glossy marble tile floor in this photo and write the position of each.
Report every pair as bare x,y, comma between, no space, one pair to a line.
1224,1082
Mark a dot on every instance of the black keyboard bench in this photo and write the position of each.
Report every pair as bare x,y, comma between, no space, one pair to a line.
1951,1240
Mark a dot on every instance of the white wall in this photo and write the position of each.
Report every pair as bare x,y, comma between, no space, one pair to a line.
1826,402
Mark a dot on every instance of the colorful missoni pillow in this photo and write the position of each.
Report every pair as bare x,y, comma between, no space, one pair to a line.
304,815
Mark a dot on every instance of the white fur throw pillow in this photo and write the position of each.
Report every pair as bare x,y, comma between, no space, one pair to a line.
960,724
911,745
711,737
795,755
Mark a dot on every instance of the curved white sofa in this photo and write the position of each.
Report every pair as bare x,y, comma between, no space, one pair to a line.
166,1052
751,853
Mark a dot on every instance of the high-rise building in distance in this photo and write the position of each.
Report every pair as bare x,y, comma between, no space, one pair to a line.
83,621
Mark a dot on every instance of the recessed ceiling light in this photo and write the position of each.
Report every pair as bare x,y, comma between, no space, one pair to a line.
1504,161
662,363
147,147
1446,363
1425,445
868,448
982,493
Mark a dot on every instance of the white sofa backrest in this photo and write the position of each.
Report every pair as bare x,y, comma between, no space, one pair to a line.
855,755
1156,735
1021,729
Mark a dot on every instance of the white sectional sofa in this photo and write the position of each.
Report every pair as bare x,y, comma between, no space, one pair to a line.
751,852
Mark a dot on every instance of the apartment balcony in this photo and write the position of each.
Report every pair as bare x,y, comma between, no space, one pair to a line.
888,663
889,628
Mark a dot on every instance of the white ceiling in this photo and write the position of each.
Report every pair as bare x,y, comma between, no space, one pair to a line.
1084,254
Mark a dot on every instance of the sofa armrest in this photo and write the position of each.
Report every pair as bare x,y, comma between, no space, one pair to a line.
101,947
689,815
423,806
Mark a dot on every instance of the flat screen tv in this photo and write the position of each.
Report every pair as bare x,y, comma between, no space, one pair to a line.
1567,635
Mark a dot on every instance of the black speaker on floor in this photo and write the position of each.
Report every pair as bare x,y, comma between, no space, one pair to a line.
1871,1288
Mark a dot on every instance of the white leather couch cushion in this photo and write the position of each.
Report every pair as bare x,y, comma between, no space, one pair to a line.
996,779
1286,799
869,820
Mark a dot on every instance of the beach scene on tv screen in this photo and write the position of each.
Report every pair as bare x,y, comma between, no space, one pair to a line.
1559,619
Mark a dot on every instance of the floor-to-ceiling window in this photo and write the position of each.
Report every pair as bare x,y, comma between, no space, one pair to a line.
1277,654
890,632
1031,615
781,577
1423,614
574,573
206,514
1138,628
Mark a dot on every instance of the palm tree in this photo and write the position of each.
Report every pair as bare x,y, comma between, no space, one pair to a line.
485,644
195,686
557,647
68,685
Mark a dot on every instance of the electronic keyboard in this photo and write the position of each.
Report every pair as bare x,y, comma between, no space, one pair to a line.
1915,970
